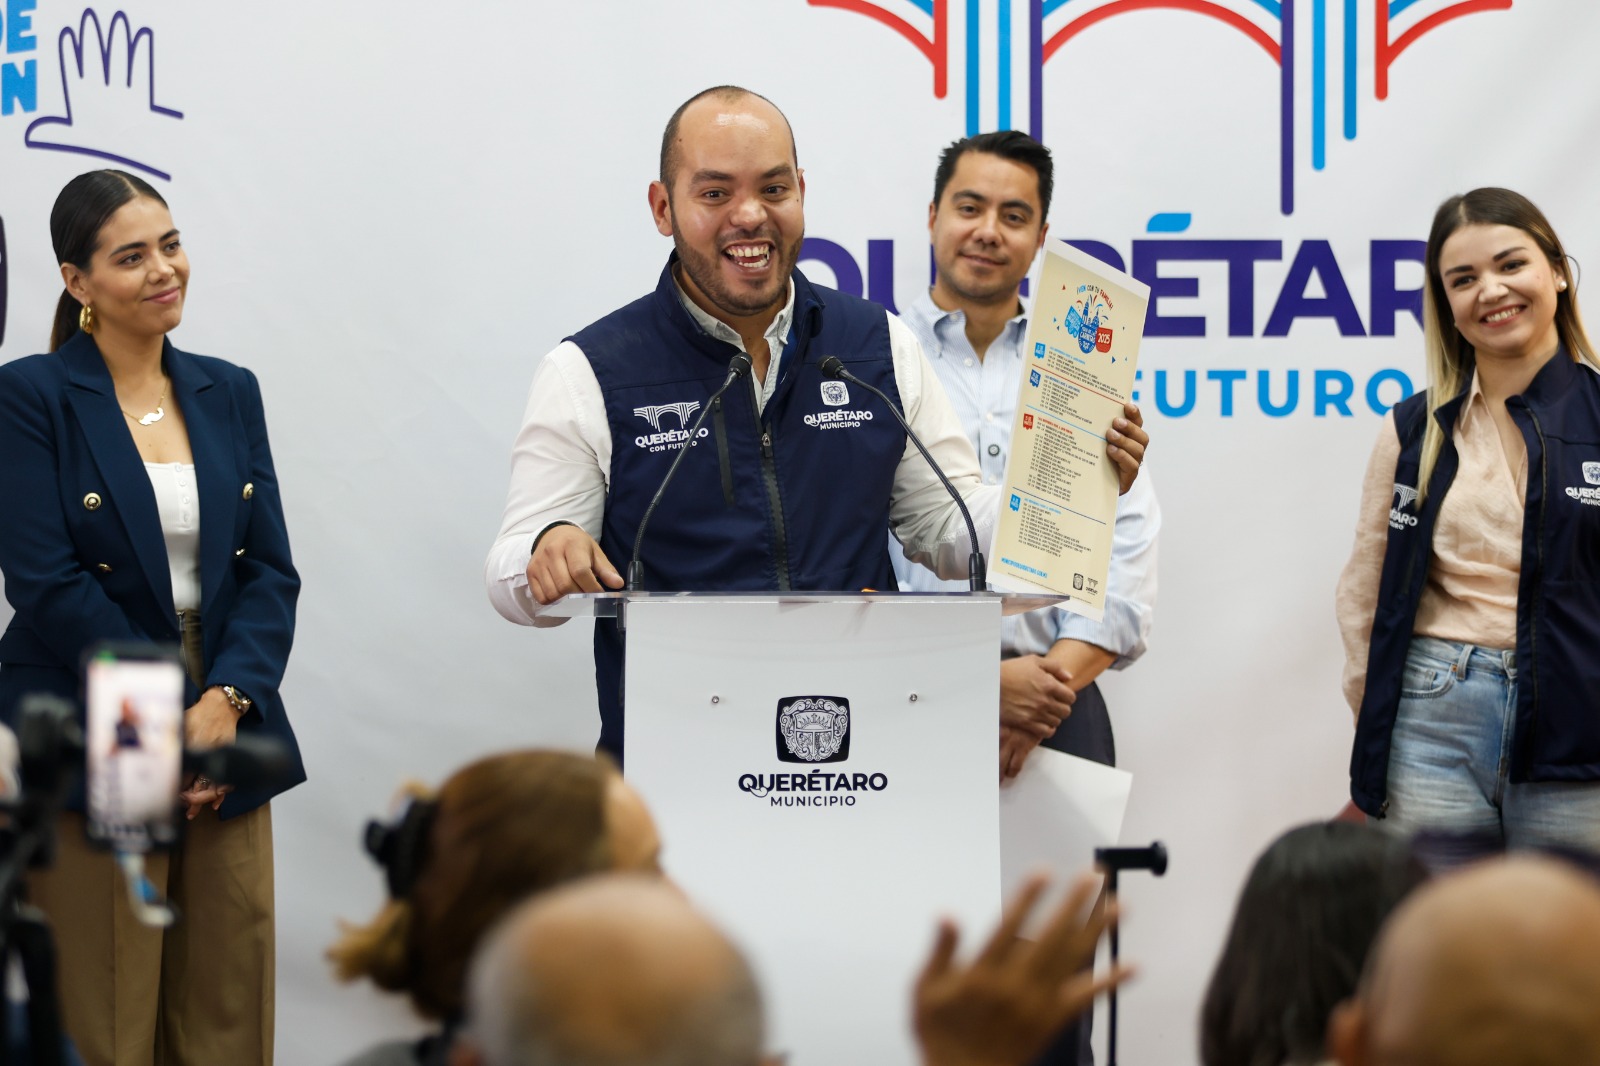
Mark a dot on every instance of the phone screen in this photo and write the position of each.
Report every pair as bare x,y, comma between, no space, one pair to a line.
135,742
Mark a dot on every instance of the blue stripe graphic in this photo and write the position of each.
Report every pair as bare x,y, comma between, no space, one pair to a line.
1319,84
1004,73
972,67
1398,6
926,6
1350,69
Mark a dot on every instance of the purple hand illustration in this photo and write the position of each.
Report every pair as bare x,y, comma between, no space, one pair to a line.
108,91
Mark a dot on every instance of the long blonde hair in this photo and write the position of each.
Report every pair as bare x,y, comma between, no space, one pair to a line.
1449,358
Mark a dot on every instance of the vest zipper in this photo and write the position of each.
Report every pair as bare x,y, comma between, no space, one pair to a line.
1538,556
720,429
769,477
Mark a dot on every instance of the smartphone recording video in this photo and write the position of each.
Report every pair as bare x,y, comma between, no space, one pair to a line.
134,735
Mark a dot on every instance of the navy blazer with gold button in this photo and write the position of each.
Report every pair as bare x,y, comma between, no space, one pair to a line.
81,545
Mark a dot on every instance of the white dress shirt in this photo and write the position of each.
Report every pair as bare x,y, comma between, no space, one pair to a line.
984,395
561,462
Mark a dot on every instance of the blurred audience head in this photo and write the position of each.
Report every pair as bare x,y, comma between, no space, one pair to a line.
1309,912
1497,964
613,971
499,829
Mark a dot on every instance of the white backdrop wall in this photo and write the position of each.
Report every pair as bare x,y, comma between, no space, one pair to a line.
394,209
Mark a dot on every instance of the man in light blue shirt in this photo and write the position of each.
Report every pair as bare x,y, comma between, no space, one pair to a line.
987,223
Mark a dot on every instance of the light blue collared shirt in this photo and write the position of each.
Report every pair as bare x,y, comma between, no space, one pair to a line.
984,395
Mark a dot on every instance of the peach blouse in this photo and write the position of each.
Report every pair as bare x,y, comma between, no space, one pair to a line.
1471,590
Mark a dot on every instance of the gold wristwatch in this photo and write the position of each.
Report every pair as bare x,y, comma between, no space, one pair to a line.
240,703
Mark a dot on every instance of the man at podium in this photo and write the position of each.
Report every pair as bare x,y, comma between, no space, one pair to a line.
794,475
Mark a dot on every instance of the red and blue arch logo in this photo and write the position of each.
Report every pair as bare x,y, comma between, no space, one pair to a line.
1001,34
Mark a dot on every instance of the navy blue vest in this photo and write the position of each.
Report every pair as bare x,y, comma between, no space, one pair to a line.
1557,731
793,497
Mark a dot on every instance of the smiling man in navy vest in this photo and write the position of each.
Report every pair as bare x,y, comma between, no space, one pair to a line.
800,476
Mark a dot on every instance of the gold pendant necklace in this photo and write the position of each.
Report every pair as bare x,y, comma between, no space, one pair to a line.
150,418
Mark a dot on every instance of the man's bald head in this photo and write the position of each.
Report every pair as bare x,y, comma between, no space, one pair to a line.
724,95
1497,964
614,970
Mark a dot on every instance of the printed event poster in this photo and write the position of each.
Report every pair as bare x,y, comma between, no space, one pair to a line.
1060,501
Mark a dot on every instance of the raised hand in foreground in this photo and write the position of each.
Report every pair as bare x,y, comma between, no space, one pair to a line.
1002,1007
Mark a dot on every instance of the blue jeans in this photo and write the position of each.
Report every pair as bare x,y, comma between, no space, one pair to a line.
1451,755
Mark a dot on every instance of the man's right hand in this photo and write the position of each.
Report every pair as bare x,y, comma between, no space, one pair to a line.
1035,695
1015,746
568,560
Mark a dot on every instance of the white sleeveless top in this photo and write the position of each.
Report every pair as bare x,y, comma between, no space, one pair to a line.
178,503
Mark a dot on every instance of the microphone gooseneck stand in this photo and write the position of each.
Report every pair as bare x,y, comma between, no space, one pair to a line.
977,573
738,367
1112,861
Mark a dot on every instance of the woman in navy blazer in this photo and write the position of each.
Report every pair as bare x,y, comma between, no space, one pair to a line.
88,432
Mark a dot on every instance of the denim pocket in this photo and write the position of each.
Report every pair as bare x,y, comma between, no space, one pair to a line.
1425,678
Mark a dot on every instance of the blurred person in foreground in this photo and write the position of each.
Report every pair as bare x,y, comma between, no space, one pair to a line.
1306,918
456,861
1495,964
623,971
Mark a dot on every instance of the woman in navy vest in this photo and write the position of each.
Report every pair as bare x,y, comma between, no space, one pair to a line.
1470,608
141,505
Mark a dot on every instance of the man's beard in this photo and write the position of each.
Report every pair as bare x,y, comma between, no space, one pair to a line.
708,279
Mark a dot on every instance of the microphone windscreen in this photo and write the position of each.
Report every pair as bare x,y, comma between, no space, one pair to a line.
249,762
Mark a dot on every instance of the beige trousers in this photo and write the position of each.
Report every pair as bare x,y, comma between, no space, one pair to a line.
199,993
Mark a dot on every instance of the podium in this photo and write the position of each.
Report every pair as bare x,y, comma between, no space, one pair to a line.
823,768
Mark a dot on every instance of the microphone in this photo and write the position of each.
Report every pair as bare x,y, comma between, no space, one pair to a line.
1153,858
738,367
977,574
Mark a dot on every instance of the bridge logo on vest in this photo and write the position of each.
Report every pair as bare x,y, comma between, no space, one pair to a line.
684,411
813,729
1404,496
835,394
673,439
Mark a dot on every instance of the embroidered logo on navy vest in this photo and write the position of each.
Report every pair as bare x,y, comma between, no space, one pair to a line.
663,439
1404,496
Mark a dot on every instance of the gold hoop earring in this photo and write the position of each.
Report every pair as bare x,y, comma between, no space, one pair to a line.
86,318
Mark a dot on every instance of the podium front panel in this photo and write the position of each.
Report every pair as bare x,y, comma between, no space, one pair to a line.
825,779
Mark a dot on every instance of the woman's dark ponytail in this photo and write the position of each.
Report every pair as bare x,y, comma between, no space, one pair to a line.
83,208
